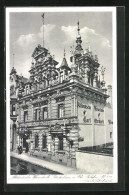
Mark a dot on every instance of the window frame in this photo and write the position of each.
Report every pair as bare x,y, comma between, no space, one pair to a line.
37,143
60,115
25,112
43,109
14,111
60,143
37,109
44,146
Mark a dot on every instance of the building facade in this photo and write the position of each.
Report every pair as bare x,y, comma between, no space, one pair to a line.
15,81
63,109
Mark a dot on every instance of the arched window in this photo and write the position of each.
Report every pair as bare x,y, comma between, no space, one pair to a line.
36,140
44,141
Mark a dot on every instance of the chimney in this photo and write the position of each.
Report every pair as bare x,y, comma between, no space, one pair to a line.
109,92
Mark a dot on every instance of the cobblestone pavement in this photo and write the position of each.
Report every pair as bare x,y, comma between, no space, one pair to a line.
46,164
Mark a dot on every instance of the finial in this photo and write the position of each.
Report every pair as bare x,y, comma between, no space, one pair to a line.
89,48
43,15
78,27
102,71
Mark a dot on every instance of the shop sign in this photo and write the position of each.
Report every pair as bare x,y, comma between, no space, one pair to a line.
98,109
110,122
98,121
83,106
85,120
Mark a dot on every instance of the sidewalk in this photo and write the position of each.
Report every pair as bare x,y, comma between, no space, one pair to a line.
46,164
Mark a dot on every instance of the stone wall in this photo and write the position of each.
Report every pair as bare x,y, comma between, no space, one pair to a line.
94,163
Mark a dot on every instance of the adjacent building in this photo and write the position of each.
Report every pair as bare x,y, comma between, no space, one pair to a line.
15,81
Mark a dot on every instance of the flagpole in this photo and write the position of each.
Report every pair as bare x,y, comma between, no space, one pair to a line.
43,29
13,59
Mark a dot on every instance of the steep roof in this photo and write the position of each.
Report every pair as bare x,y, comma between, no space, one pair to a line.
64,64
38,50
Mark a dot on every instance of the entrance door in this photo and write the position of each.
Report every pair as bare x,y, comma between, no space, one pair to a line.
25,144
61,143
14,137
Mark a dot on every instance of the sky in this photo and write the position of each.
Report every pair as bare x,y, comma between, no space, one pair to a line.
60,31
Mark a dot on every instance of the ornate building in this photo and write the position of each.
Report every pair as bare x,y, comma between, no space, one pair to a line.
61,109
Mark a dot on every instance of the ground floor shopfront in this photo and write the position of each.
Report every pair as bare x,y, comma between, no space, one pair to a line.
59,142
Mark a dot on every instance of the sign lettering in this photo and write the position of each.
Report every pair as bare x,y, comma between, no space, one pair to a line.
83,106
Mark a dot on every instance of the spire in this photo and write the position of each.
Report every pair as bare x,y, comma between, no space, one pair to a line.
64,63
78,48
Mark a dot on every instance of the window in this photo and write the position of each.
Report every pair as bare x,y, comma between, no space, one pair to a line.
13,110
24,142
36,140
27,91
89,79
48,82
61,111
25,116
37,114
92,80
61,78
110,134
61,143
45,113
44,141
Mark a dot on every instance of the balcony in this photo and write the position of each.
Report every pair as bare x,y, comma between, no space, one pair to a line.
50,121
